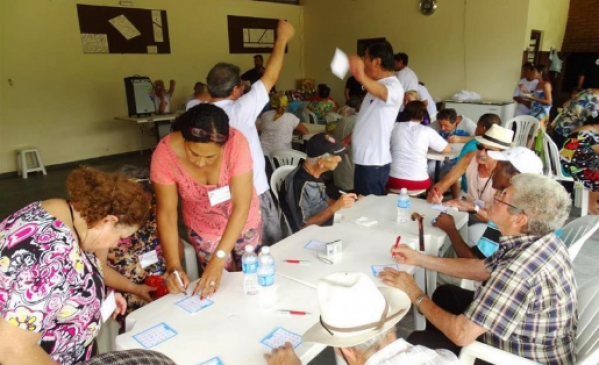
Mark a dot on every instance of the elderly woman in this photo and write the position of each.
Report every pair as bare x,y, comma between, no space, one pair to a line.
51,282
278,127
527,302
138,259
410,142
582,106
208,165
322,103
580,159
410,96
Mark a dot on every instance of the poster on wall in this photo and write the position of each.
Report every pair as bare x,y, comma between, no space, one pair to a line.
117,30
251,35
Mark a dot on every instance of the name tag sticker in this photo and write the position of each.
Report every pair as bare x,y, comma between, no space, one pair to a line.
148,258
219,195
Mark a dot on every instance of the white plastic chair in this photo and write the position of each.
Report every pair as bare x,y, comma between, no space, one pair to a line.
276,180
577,232
587,337
553,169
524,125
309,116
279,158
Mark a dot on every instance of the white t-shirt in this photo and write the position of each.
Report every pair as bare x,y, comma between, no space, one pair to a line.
193,102
425,95
522,109
408,79
243,113
372,134
277,134
167,103
410,142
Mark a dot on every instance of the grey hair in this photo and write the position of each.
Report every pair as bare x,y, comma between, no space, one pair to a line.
375,343
222,79
544,201
314,160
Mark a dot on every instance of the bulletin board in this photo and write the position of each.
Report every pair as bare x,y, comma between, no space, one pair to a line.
107,29
251,35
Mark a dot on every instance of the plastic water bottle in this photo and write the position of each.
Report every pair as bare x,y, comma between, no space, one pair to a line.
249,264
403,206
266,278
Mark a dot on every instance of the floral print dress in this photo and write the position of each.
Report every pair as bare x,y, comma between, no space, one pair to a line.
585,105
126,258
580,160
48,285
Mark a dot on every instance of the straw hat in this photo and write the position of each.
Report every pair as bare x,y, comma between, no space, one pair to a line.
497,137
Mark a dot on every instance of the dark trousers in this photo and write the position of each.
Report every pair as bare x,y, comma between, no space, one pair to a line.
371,179
454,300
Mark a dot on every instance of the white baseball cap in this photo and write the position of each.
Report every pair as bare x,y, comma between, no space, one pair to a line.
523,159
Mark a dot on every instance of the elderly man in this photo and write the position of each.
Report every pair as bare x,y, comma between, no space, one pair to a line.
518,160
478,167
303,196
227,90
161,97
358,320
407,78
371,139
527,302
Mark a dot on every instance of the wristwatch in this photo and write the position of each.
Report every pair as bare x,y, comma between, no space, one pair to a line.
221,254
476,208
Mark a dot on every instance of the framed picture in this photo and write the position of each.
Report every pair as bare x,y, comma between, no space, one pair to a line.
251,35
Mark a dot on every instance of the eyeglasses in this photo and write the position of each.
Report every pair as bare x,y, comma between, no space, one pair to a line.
481,147
214,137
498,199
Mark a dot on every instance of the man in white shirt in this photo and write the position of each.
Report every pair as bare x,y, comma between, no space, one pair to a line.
226,87
371,138
407,78
358,320
161,97
530,83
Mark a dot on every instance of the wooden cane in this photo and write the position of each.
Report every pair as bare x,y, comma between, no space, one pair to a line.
420,229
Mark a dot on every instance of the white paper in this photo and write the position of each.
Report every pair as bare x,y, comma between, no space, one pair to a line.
94,43
155,335
157,17
440,207
376,269
194,304
365,221
316,245
340,64
125,27
219,195
280,336
108,307
152,49
148,258
158,35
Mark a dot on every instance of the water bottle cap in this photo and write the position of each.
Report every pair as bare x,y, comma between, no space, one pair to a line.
249,248
403,191
265,250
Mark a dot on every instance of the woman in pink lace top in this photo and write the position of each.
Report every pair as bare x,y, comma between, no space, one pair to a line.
209,166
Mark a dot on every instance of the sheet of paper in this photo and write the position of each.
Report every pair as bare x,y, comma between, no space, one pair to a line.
155,335
376,269
340,64
108,307
125,27
157,17
213,361
152,49
158,33
316,245
365,221
440,207
193,304
94,43
279,336
148,258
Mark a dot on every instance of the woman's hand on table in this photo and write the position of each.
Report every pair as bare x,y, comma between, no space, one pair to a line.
283,355
403,254
144,292
401,280
121,305
210,280
172,283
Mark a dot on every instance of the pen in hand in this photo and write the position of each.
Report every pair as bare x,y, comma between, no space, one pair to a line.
344,193
396,244
176,273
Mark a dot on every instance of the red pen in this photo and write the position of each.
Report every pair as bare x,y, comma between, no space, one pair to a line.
437,192
396,244
292,312
297,262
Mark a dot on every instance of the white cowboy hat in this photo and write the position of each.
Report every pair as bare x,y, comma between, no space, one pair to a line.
353,310
497,137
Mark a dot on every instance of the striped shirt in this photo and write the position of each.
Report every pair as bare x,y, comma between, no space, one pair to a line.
529,304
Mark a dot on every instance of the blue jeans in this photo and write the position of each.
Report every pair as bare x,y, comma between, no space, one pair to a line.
371,179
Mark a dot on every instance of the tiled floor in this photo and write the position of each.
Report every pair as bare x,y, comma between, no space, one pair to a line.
16,193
